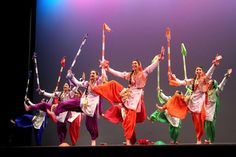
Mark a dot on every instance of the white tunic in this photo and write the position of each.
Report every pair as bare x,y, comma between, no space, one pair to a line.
137,84
211,105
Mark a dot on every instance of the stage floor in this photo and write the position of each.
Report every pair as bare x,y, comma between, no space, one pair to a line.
181,150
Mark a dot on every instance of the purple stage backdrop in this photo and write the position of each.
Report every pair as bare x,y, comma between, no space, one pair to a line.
206,27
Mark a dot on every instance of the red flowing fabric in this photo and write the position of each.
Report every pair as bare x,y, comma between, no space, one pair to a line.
198,121
129,123
74,130
110,91
113,114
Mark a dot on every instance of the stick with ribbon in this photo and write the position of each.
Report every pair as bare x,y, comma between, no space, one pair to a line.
55,99
36,70
77,54
63,60
184,53
172,79
158,76
168,37
27,85
105,28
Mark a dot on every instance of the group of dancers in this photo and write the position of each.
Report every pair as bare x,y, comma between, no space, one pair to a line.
127,105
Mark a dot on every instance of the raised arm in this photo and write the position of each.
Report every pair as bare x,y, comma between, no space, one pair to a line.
215,62
174,81
118,73
223,82
47,94
149,69
163,96
81,83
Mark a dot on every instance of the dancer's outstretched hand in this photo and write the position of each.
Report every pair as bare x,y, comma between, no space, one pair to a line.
229,72
104,64
217,59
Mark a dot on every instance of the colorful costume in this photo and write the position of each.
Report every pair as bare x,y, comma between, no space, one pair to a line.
89,104
196,103
37,121
212,109
131,98
165,117
74,118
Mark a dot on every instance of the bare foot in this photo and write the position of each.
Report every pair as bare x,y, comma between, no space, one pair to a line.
64,144
93,143
128,143
199,142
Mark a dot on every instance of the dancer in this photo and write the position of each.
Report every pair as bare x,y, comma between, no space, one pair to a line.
131,98
163,116
89,104
197,100
213,106
37,121
73,118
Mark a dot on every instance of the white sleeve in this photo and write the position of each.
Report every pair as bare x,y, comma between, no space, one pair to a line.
82,83
221,85
119,74
165,97
184,82
150,68
210,71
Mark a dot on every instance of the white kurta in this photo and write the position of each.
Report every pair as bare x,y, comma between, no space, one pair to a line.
138,82
89,102
211,105
38,119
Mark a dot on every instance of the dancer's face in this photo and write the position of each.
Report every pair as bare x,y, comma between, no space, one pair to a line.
135,65
93,75
198,71
66,87
211,84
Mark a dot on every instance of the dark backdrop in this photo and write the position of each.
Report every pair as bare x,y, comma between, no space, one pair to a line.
206,27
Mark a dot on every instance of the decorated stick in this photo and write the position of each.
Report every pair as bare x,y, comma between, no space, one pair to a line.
107,29
81,45
158,76
168,37
63,60
158,85
184,53
27,85
36,70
